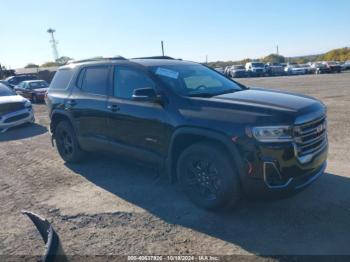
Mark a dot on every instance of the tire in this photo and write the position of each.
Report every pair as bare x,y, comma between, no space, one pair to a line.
207,176
67,143
35,99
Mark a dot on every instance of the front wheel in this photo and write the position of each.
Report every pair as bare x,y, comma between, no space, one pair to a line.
207,176
67,143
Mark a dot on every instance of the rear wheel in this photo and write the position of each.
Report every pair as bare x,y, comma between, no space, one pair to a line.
207,176
35,99
67,143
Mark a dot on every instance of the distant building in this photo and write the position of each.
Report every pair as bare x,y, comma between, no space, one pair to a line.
45,73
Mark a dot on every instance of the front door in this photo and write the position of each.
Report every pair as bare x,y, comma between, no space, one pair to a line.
135,125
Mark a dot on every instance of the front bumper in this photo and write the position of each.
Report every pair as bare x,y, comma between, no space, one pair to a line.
16,118
278,169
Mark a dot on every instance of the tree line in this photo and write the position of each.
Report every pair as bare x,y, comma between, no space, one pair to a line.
340,54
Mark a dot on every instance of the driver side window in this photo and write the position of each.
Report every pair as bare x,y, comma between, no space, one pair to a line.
126,80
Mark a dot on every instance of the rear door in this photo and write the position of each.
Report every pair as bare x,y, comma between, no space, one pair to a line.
88,105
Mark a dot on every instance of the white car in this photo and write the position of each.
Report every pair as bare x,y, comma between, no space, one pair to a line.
220,70
255,69
15,110
295,69
346,65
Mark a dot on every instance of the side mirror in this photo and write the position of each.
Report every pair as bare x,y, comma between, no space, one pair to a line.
145,94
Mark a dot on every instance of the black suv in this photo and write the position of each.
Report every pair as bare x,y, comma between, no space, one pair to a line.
12,81
214,136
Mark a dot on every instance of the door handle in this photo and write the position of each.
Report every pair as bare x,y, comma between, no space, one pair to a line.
113,108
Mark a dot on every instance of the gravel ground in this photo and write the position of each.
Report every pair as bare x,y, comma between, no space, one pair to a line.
109,206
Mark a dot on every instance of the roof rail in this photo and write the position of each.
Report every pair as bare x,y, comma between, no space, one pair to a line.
96,59
155,57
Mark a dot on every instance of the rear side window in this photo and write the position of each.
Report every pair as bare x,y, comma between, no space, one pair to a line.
96,80
61,79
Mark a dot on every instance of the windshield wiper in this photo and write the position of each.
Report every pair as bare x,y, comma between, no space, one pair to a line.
202,95
213,94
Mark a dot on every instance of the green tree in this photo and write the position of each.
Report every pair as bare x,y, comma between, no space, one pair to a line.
274,58
31,65
63,60
50,64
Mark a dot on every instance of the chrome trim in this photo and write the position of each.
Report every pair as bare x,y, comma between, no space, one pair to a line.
313,178
279,174
309,181
308,155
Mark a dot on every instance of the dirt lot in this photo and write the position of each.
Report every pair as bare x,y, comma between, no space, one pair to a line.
109,206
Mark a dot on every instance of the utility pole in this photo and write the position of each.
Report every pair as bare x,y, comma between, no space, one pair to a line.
53,43
278,52
162,48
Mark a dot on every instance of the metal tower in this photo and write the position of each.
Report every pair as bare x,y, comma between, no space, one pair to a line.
53,43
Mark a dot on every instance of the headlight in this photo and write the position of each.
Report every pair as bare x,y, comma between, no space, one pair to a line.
272,133
27,104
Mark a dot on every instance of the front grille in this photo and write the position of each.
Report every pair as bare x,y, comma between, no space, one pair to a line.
311,137
16,118
11,107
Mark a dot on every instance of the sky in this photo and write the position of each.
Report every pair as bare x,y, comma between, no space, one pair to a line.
191,29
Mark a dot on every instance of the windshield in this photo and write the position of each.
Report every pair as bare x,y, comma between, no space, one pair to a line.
195,80
257,64
38,85
238,67
5,91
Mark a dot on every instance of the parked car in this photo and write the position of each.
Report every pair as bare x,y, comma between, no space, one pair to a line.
346,65
334,67
255,69
5,83
216,137
227,70
237,71
274,69
220,70
320,68
308,69
34,90
14,109
15,80
294,69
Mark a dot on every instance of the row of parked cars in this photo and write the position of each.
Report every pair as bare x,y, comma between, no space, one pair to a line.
259,69
17,93
28,86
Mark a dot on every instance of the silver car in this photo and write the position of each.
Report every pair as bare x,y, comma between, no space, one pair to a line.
15,110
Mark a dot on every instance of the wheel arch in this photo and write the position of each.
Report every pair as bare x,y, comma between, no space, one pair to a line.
58,116
187,136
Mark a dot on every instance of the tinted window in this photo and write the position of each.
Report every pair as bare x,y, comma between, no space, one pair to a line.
126,80
38,85
96,80
5,91
61,79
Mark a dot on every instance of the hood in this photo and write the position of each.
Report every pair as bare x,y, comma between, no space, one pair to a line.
265,98
12,99
252,107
